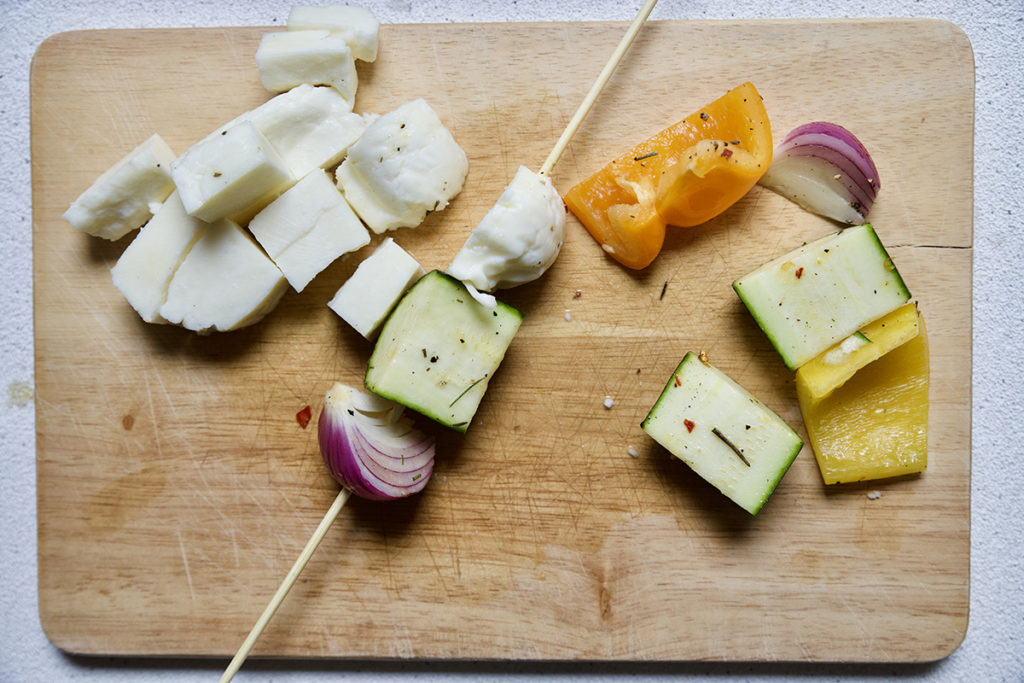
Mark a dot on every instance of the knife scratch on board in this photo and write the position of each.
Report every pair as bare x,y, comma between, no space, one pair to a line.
184,560
152,416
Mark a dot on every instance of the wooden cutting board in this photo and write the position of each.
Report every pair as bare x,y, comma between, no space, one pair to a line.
175,486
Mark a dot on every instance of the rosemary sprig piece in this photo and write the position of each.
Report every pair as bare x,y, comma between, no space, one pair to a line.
730,444
466,391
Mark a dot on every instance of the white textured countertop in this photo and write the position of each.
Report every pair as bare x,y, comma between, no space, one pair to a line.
994,647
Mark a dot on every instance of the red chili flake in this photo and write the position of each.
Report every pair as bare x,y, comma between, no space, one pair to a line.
679,382
303,416
799,272
689,425
726,152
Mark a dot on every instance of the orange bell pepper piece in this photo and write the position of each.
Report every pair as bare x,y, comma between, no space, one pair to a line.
685,175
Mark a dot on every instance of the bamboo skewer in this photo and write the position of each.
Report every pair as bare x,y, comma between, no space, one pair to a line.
286,585
343,495
597,87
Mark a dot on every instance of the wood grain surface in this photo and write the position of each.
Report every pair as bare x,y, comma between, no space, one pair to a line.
175,487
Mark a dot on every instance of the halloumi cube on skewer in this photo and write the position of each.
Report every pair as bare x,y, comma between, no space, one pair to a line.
518,239
127,194
500,249
145,268
287,59
405,165
307,228
357,25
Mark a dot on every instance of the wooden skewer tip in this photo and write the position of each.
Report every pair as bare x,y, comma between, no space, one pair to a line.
286,585
597,87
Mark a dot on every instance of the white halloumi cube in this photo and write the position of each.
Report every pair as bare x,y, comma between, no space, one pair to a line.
145,268
307,228
518,239
311,127
405,165
126,195
368,296
224,283
357,25
287,59
230,174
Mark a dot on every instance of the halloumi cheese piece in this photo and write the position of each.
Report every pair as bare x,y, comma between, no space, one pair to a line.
231,174
357,25
146,266
405,165
307,228
518,239
126,195
310,127
224,283
287,59
368,296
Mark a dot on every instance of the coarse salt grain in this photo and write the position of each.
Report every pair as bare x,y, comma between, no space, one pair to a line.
874,495
633,452
568,315
608,402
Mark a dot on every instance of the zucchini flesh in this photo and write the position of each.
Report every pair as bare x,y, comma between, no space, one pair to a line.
439,349
809,299
723,433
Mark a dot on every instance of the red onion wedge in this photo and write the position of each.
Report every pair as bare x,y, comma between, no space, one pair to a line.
370,448
824,168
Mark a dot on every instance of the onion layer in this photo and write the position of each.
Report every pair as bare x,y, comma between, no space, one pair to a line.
824,168
370,448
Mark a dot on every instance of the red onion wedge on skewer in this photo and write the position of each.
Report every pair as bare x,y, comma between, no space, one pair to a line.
373,452
370,448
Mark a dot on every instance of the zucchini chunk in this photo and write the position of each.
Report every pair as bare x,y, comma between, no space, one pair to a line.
728,437
439,348
809,299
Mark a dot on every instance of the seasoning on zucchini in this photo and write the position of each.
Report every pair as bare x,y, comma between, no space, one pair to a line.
723,433
809,299
439,348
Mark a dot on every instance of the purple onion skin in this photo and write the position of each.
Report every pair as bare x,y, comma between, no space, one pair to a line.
833,130
338,449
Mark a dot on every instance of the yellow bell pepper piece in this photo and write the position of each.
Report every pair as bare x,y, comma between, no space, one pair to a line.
866,412
837,365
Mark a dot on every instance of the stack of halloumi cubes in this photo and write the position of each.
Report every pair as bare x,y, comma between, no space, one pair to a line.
250,209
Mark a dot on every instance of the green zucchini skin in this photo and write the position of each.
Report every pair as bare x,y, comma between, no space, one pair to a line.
809,299
439,349
723,433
